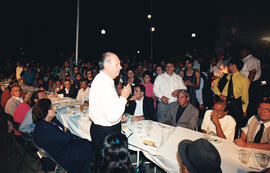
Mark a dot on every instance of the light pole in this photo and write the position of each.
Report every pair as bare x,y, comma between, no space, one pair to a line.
77,32
152,29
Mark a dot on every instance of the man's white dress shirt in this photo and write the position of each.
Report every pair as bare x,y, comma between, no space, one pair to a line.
83,95
105,106
250,63
139,108
266,125
227,125
164,86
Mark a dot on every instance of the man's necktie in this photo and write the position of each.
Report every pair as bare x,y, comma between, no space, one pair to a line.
259,134
230,88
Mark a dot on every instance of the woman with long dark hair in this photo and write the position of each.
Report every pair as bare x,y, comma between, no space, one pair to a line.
191,77
115,155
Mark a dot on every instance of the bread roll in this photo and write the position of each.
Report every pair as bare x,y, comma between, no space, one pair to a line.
148,142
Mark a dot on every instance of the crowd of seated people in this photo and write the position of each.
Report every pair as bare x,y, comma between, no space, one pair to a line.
213,93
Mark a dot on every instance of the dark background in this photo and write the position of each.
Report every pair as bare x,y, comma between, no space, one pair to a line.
44,28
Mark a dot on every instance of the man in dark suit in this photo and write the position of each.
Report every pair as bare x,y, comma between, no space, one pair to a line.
141,106
68,90
182,113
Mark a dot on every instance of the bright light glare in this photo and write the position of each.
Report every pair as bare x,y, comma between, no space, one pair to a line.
103,31
266,38
193,35
153,29
138,52
149,16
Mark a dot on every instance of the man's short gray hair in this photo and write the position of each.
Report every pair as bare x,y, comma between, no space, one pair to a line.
184,92
105,59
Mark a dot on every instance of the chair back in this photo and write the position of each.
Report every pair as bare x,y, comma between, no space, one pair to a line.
44,153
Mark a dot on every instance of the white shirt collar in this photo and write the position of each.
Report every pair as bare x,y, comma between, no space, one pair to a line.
247,57
266,125
107,78
169,75
18,98
137,101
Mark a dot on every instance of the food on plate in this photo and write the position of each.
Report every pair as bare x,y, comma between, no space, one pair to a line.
148,142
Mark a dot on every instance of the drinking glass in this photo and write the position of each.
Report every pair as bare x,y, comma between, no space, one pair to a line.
81,107
244,156
149,127
262,159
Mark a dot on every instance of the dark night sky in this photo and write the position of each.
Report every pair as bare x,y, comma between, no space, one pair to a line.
43,28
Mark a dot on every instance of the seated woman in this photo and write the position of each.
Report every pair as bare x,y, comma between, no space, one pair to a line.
74,154
115,155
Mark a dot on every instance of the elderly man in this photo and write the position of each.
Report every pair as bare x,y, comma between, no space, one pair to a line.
105,106
141,106
217,121
6,94
68,90
256,134
166,87
14,100
27,126
182,113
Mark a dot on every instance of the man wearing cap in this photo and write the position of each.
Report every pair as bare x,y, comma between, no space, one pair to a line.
256,134
198,156
166,87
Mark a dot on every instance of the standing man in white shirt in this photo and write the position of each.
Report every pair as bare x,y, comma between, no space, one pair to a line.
166,87
251,70
105,106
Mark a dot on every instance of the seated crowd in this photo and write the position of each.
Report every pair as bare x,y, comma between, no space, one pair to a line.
216,95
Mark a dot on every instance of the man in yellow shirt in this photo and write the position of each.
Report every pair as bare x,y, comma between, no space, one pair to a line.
236,92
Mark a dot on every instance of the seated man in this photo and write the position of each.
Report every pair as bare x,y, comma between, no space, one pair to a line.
141,106
14,101
217,121
68,90
6,94
83,94
256,134
206,159
182,113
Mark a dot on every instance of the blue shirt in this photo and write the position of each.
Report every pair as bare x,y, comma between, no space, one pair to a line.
27,126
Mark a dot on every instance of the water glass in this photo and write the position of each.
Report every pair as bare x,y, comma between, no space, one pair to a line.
244,156
262,159
149,127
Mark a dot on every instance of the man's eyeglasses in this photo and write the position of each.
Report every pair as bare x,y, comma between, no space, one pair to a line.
219,111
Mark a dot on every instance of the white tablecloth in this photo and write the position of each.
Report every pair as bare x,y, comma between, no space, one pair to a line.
166,139
69,114
228,151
